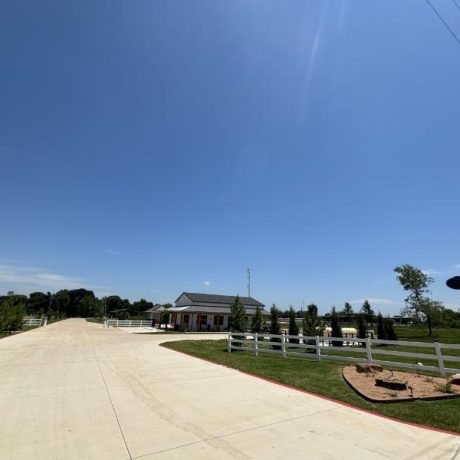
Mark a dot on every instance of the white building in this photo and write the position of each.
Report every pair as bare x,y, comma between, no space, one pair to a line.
208,312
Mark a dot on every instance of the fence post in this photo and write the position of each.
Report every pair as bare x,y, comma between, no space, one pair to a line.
257,343
130,322
317,349
117,323
368,349
283,344
229,342
46,321
442,369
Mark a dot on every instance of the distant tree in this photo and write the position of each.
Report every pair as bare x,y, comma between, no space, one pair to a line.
311,325
60,303
418,305
237,320
432,311
336,330
164,316
114,303
90,306
389,329
361,333
348,310
139,307
368,313
38,303
257,321
275,328
293,328
11,313
450,318
381,330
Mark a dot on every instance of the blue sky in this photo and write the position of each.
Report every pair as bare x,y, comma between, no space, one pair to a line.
154,147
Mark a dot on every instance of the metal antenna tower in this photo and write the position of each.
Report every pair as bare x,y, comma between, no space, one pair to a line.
249,283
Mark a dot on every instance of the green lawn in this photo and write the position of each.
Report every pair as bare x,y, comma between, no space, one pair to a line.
420,334
322,378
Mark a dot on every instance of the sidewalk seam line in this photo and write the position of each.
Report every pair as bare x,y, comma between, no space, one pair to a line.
234,432
113,407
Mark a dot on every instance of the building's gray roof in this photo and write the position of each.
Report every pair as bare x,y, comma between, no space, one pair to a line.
156,308
212,310
215,298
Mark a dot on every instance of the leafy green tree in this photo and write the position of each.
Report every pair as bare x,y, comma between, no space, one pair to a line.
275,328
368,313
90,306
293,328
348,310
381,331
390,333
38,303
432,311
237,320
336,330
312,325
385,329
11,313
418,305
139,307
60,303
114,304
257,321
362,330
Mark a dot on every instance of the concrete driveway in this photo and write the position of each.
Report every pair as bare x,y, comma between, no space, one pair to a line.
75,390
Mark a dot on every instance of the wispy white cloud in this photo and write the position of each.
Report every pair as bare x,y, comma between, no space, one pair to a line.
112,252
27,278
207,283
432,272
374,300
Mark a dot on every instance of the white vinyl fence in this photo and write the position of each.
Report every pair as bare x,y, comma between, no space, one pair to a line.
127,323
324,350
34,322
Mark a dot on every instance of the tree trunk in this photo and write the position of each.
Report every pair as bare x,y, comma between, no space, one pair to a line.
430,326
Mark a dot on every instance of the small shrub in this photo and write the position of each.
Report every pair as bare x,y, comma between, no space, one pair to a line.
444,387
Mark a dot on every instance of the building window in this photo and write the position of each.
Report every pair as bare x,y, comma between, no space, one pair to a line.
186,319
218,320
203,319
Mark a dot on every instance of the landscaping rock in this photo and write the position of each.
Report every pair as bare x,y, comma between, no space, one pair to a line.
455,379
391,384
368,367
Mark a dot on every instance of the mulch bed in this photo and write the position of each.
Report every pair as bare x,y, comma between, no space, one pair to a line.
423,386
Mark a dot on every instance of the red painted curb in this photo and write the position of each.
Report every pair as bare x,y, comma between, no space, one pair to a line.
326,398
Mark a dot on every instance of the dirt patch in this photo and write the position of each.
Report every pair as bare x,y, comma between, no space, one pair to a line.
419,386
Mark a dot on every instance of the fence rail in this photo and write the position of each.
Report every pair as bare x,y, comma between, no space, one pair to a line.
284,344
127,323
34,322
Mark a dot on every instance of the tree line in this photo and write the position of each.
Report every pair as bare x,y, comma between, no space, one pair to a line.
66,303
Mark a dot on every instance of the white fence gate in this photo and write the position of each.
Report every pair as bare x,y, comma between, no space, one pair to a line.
34,322
283,344
127,323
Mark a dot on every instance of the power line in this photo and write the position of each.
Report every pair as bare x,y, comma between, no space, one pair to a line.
444,22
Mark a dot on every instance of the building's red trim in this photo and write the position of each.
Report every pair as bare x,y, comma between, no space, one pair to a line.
418,425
